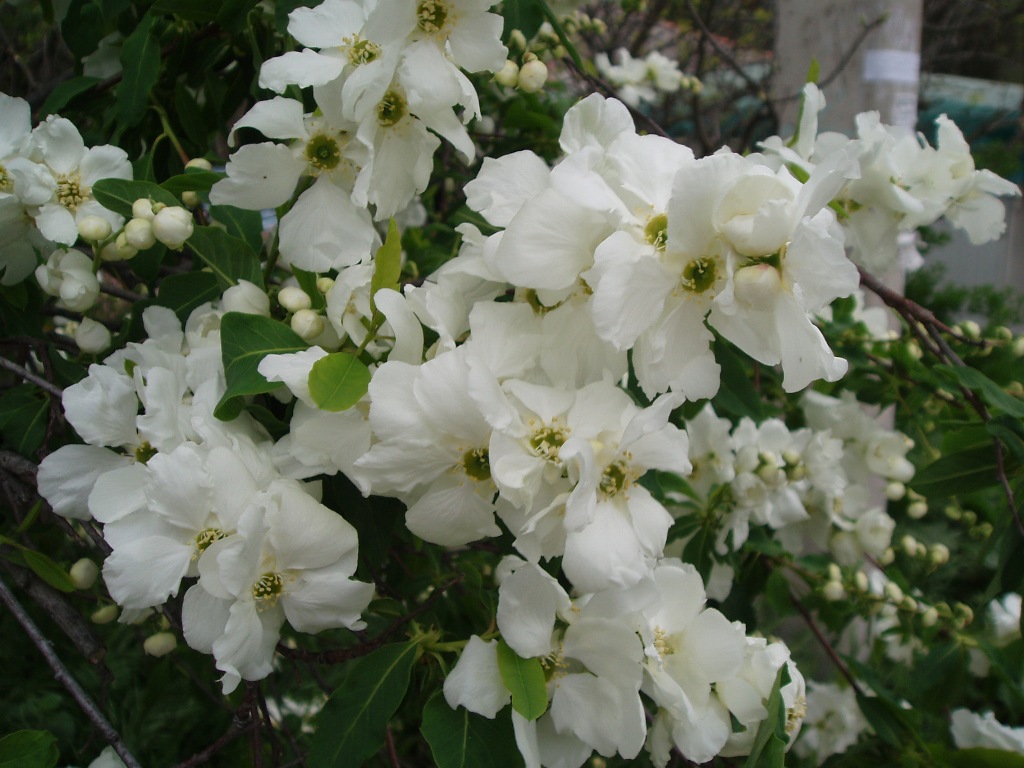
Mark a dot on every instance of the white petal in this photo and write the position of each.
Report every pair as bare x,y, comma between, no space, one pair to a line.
475,683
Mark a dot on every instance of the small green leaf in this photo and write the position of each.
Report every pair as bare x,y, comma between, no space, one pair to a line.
886,718
192,180
243,224
769,747
351,726
990,392
525,679
47,570
387,264
338,381
229,258
184,292
29,749
460,739
24,411
245,341
118,194
140,59
65,92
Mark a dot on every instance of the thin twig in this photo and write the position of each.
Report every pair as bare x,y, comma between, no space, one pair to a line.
27,375
840,664
604,87
65,678
234,731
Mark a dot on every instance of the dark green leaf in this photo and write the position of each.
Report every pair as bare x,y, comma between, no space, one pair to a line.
229,258
29,749
184,292
65,92
769,747
990,392
1010,432
338,381
977,757
699,549
119,194
524,15
243,224
887,719
23,414
736,394
460,739
245,341
193,10
387,264
83,27
232,13
351,726
191,180
140,58
957,473
525,679
47,570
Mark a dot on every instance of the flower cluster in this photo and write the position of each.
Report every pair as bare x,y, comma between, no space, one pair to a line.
638,81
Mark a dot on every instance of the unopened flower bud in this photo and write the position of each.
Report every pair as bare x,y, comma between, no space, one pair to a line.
532,76
917,510
92,229
172,226
307,324
887,557
964,613
939,554
909,545
508,75
1015,389
930,617
969,517
834,573
833,590
914,350
104,615
324,284
953,513
160,644
143,209
909,604
92,337
199,162
247,298
893,592
970,329
84,573
190,198
758,285
860,579
1018,346
293,299
895,491
138,233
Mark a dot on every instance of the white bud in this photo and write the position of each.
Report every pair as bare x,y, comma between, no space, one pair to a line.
909,544
138,233
201,163
930,617
893,592
172,226
143,209
834,573
84,573
917,510
293,299
307,324
190,198
887,557
517,39
92,229
914,350
160,644
508,75
895,491
92,337
970,329
833,591
124,249
104,615
939,554
247,298
861,580
1018,346
758,286
532,76
324,284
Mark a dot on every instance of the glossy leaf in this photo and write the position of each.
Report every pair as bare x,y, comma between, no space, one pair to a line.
184,292
957,473
229,258
338,381
990,392
387,263
47,570
140,59
192,181
525,680
769,747
352,725
29,749
459,738
118,194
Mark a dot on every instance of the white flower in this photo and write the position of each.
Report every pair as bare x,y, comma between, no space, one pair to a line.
68,275
172,226
971,730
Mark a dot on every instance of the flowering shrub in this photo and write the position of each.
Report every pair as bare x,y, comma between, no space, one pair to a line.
566,455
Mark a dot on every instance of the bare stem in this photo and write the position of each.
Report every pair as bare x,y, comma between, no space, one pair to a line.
27,375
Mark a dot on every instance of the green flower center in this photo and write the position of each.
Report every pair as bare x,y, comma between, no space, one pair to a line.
392,108
546,441
615,479
70,192
431,15
323,152
145,452
477,463
267,590
699,275
656,231
6,184
363,52
206,537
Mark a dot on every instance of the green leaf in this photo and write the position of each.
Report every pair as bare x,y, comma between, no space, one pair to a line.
460,739
769,747
24,410
338,381
525,679
887,719
193,10
524,15
351,726
699,549
957,473
232,13
119,194
243,224
29,749
65,92
979,757
140,59
47,570
1010,432
184,292
990,392
245,341
736,394
563,38
387,264
229,258
192,180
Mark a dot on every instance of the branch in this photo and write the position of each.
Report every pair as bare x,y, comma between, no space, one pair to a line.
604,87
27,375
840,664
65,678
